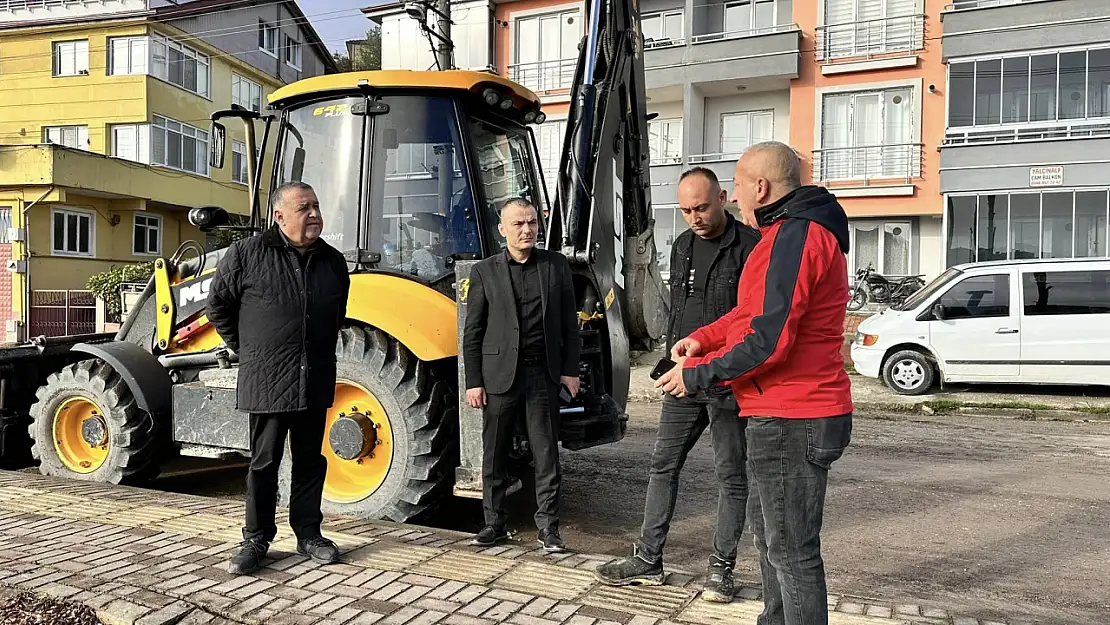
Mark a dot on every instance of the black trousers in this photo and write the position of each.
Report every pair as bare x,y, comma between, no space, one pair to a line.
534,398
306,437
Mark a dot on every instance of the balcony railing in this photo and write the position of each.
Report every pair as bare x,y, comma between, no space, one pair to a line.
545,75
664,42
666,159
870,38
956,5
878,162
724,35
973,136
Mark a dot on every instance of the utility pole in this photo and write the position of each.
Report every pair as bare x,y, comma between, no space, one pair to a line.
442,17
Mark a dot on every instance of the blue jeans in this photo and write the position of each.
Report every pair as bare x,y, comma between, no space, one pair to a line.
788,462
681,423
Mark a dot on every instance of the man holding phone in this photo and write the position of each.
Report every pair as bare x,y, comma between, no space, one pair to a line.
520,346
706,262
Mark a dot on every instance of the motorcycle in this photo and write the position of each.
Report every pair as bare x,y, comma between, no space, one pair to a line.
874,287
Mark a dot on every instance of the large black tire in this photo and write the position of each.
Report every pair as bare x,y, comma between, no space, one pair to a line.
423,415
132,456
909,372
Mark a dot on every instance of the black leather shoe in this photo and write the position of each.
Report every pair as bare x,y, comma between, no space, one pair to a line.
320,549
551,541
249,557
489,536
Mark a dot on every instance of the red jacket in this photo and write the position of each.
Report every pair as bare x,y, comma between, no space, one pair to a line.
780,347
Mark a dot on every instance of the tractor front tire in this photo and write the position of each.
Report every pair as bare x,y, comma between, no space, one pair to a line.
411,465
87,426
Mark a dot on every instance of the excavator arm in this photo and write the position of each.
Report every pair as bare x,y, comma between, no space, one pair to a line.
602,218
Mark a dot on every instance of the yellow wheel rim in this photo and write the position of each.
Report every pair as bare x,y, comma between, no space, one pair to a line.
349,481
71,444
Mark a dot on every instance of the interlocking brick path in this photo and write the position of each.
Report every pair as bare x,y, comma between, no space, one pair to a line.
144,557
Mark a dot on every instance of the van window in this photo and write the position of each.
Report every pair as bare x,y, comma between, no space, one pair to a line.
1066,292
978,296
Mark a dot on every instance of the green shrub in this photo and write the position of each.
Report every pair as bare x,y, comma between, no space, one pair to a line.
105,285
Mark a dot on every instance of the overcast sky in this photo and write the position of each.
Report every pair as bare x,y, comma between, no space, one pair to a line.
338,20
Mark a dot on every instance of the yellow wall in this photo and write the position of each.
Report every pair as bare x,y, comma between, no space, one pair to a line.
31,97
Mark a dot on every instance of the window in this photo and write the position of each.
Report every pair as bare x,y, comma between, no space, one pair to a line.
239,162
69,136
1030,88
180,65
146,239
546,50
867,135
883,245
131,142
866,27
1066,292
665,141
73,232
977,297
292,53
268,38
246,93
179,146
662,29
748,16
669,224
128,55
1055,224
5,223
71,58
741,130
549,143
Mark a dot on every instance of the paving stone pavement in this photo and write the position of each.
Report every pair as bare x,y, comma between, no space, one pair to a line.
142,557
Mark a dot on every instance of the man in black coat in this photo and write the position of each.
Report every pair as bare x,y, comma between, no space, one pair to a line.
278,301
520,343
706,262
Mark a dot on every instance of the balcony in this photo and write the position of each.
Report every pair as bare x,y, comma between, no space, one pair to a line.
982,27
545,76
41,12
888,38
895,162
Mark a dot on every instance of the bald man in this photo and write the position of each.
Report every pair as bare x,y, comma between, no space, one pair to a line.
706,262
520,344
780,350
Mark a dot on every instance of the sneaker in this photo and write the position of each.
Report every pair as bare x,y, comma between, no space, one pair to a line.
719,587
633,571
551,541
489,536
320,549
249,557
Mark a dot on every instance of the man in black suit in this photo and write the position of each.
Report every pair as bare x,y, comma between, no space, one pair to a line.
521,342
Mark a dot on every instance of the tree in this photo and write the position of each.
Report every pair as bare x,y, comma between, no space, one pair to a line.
362,54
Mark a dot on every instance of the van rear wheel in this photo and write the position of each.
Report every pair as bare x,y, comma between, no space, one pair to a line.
909,372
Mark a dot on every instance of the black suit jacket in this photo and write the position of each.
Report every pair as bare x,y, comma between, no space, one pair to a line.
491,340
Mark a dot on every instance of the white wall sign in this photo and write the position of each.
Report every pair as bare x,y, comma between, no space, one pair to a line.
1046,176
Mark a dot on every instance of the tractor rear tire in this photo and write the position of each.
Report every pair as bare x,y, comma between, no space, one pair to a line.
92,391
413,465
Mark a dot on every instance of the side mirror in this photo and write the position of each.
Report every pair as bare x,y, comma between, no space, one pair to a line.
208,218
216,139
938,311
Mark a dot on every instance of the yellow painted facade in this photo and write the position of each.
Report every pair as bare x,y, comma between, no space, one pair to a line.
111,191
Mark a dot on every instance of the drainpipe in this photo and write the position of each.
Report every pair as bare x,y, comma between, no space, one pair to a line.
26,320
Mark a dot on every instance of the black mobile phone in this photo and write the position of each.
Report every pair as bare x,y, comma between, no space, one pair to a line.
664,365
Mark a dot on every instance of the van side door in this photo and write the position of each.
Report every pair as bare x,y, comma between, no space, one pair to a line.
973,328
1065,324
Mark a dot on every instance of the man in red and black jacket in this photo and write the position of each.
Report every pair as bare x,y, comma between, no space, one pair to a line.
779,348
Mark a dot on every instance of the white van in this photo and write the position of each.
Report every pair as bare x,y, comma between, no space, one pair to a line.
1019,321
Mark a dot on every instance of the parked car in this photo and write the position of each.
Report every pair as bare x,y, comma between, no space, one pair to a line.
1021,321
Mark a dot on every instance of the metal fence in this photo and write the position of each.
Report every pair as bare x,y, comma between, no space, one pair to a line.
545,75
62,313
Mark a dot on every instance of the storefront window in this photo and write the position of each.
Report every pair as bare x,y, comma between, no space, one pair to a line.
1021,226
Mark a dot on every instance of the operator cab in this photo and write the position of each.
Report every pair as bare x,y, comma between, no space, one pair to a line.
411,178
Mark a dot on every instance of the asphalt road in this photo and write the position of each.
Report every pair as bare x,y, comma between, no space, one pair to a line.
992,517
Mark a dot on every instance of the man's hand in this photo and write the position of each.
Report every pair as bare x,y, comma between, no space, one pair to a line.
671,381
571,383
685,348
476,397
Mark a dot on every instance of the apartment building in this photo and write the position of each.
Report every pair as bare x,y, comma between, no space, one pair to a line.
1024,161
104,124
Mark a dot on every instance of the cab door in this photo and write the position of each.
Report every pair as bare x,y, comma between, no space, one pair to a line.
974,328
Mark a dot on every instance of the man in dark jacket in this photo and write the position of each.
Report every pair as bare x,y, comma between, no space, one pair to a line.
780,349
278,300
706,262
521,342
